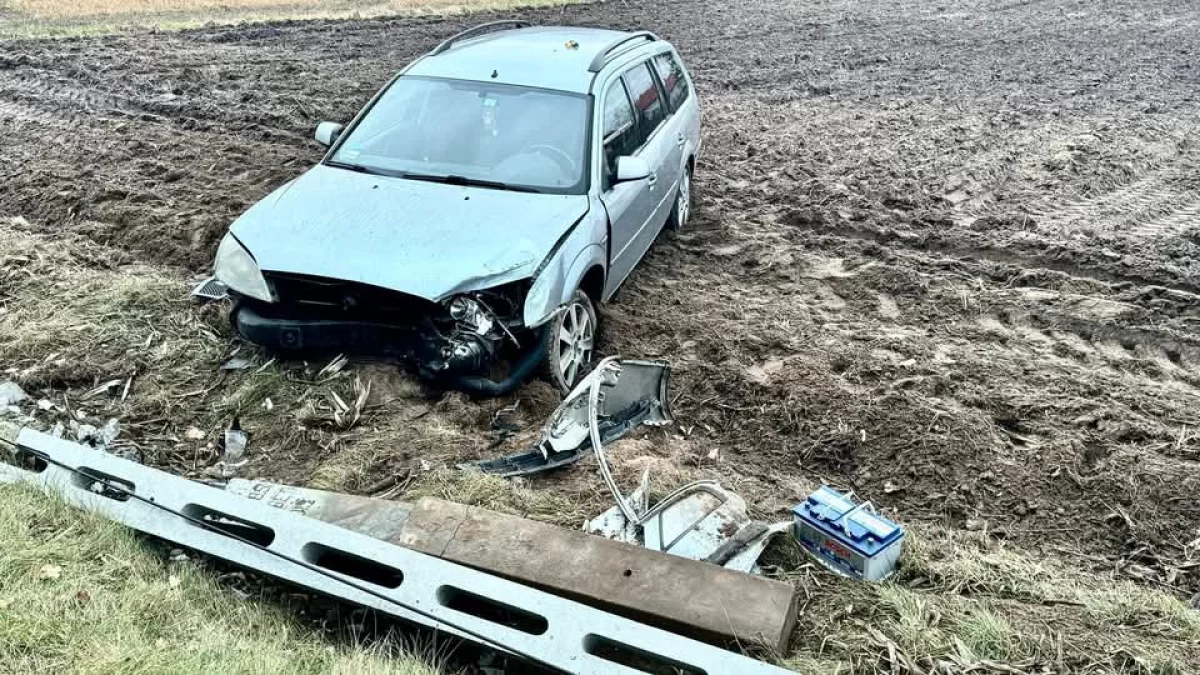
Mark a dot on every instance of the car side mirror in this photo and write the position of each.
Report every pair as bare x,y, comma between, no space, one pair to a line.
631,169
327,133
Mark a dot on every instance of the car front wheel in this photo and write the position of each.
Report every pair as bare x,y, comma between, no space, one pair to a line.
683,202
572,342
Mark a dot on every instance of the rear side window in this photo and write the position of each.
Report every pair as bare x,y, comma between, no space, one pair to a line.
674,82
647,103
620,132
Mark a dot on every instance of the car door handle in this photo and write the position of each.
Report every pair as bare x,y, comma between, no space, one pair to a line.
681,140
652,179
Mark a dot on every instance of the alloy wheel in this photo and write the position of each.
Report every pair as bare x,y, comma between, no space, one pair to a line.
575,342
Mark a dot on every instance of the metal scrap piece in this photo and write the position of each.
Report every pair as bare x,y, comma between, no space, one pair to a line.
617,397
699,521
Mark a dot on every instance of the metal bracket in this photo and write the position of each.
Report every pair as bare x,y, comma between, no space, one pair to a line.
357,568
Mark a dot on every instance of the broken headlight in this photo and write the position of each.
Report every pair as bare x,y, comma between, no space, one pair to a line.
236,268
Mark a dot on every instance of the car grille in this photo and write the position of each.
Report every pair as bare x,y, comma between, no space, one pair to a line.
347,299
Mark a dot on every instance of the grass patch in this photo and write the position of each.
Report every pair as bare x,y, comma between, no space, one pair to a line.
968,565
56,18
77,313
81,594
960,604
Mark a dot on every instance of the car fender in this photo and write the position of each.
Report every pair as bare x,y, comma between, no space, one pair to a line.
583,248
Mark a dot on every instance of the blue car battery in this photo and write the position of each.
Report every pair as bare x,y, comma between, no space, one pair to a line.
848,537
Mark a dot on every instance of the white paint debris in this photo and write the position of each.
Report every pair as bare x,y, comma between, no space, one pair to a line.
11,393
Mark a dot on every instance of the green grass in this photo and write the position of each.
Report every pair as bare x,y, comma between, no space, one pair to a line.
80,594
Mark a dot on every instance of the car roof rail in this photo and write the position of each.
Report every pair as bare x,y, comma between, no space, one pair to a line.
604,57
478,30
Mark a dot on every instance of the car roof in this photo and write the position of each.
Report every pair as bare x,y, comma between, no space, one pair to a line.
555,57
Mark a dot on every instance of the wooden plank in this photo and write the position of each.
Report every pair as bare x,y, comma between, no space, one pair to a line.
689,597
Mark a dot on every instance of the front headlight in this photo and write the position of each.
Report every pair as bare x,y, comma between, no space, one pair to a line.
236,269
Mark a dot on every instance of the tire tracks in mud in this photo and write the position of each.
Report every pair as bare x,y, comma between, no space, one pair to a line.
1103,267
1153,206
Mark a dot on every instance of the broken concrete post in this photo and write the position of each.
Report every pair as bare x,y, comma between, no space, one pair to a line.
690,597
693,598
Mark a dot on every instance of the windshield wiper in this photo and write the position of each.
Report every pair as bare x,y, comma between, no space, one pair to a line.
351,166
469,182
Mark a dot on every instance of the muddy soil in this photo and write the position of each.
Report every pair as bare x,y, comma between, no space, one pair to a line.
945,254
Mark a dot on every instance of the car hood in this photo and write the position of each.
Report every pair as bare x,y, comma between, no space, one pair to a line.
427,239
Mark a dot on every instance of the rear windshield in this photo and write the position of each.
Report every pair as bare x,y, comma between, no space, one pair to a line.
473,132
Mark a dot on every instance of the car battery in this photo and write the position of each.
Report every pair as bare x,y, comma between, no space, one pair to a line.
847,537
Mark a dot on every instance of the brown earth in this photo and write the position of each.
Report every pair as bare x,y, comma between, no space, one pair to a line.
945,254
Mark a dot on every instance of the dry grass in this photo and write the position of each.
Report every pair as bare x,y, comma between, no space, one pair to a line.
57,9
961,604
36,18
75,312
76,315
80,594
505,496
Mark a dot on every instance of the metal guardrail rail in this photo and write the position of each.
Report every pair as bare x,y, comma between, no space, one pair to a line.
403,583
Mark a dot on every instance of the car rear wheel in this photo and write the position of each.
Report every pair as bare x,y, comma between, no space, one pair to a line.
572,342
683,202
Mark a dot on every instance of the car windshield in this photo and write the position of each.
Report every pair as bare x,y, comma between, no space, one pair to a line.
473,133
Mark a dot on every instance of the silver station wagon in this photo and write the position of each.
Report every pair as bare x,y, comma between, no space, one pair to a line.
473,215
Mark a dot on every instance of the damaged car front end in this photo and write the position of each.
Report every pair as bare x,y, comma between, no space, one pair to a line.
477,341
458,343
455,256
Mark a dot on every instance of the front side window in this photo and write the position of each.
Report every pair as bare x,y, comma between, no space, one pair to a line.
674,82
647,104
473,133
620,131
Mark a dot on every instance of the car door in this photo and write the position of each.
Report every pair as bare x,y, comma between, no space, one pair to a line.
630,205
634,111
657,144
684,124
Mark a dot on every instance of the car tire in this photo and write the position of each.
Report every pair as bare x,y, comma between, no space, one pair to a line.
682,211
572,343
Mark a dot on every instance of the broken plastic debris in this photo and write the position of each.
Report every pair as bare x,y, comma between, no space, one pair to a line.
210,289
10,393
617,397
237,363
103,388
49,572
235,442
700,521
100,438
